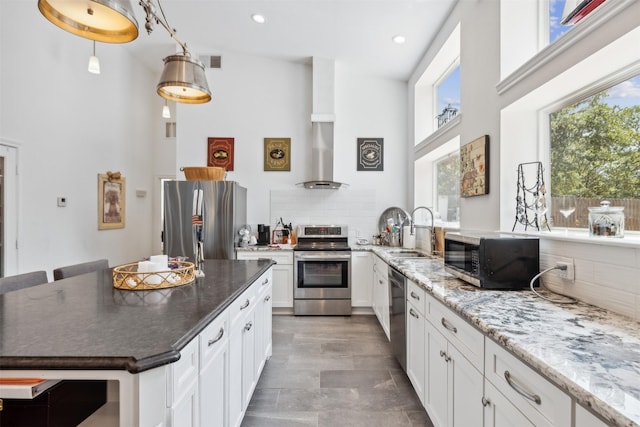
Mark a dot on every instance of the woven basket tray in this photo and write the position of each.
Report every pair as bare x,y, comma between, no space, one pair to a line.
203,173
126,277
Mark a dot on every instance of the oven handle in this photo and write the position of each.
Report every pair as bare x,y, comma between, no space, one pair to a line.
324,257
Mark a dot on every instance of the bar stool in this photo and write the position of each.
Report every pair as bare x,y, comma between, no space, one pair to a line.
82,268
21,281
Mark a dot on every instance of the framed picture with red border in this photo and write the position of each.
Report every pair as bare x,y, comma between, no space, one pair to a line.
220,152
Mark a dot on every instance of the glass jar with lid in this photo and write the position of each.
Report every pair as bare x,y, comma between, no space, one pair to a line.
606,220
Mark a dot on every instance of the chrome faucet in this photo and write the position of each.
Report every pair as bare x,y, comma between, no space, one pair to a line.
413,226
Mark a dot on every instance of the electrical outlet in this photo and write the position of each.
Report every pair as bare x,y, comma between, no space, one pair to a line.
569,273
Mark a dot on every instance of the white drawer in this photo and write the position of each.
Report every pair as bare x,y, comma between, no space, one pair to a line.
417,297
280,257
242,304
183,373
264,283
524,387
214,336
468,340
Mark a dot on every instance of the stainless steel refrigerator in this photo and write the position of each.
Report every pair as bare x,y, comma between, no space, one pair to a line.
208,214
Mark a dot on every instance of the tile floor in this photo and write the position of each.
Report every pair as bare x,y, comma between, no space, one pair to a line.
333,371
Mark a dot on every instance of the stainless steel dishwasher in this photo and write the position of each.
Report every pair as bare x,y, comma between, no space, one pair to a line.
397,310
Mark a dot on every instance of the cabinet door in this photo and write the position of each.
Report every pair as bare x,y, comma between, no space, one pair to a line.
437,393
361,279
213,390
263,327
213,380
416,350
235,374
282,286
467,390
499,412
584,418
184,412
249,369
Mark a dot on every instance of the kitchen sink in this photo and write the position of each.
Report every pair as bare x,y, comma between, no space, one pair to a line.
407,254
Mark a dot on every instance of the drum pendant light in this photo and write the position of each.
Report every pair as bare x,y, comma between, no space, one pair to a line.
183,80
109,21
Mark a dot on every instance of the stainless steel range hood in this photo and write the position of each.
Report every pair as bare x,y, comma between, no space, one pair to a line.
322,119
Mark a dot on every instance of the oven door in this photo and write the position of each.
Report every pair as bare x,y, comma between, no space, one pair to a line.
322,275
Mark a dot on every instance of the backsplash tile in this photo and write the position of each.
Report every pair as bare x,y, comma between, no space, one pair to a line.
355,208
605,276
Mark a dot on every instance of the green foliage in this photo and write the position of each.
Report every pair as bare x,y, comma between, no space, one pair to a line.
595,150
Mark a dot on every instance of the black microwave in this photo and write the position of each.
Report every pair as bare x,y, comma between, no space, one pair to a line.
492,260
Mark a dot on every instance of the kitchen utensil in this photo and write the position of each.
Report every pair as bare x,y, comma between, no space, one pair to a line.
398,217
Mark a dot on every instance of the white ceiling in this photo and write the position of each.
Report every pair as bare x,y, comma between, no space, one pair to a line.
354,32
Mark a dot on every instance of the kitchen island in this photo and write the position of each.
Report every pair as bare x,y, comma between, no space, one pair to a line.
84,328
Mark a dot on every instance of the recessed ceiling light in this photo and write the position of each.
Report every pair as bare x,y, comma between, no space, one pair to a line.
399,39
258,18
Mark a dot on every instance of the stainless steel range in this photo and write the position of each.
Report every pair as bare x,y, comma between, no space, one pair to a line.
322,271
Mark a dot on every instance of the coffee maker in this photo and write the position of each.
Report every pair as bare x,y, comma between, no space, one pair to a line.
264,235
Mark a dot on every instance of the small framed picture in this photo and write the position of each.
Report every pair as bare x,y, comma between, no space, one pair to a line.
277,154
111,201
474,167
220,153
370,154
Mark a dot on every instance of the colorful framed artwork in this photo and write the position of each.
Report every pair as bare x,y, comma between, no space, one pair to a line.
370,154
111,200
277,154
220,152
474,167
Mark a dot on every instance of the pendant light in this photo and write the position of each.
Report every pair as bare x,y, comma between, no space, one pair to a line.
183,80
112,21
109,21
166,113
94,62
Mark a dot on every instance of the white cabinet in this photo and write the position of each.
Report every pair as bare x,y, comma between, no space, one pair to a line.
214,365
454,379
282,274
416,339
381,293
361,279
249,344
537,399
584,418
182,388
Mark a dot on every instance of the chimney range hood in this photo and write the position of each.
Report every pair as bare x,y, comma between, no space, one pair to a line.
322,118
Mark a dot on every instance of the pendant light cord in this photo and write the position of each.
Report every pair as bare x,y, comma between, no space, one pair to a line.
566,300
151,15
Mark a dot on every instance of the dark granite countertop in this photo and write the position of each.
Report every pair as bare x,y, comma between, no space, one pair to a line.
85,323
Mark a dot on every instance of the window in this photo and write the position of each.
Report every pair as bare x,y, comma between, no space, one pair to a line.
448,101
563,14
595,154
437,182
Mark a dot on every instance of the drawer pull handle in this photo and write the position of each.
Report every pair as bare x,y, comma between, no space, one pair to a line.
485,402
245,305
449,326
265,281
415,296
413,313
248,326
267,298
217,338
514,385
447,358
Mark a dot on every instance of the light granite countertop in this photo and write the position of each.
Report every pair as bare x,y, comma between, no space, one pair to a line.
591,353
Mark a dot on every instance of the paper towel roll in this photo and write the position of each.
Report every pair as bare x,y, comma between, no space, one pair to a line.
408,241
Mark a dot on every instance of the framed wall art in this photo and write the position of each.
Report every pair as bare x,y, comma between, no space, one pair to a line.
277,154
474,167
111,200
220,152
370,154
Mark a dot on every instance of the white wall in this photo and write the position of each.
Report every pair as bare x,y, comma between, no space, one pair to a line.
71,125
255,97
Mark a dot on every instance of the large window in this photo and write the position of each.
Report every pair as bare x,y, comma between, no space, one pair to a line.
595,154
448,100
